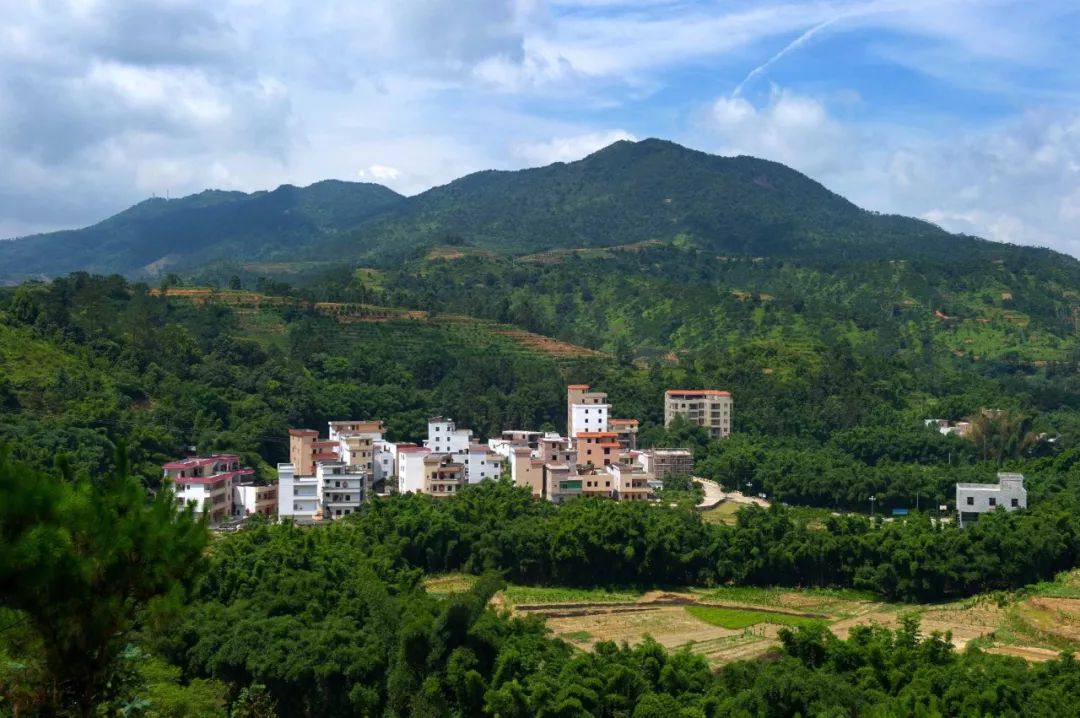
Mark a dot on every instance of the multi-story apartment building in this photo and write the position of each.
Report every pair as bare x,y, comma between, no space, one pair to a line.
443,476
343,487
445,438
385,462
410,468
710,408
667,462
527,470
629,482
334,491
302,450
585,410
974,499
481,463
209,483
627,430
597,448
250,498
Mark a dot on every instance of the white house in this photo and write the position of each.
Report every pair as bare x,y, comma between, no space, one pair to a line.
385,462
410,468
445,438
481,463
975,499
343,488
299,497
588,418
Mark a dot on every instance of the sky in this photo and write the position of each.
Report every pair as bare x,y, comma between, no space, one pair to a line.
962,112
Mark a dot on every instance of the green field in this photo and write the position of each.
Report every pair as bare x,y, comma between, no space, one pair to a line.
539,594
736,618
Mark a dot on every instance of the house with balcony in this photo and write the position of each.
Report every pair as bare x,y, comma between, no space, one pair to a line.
209,484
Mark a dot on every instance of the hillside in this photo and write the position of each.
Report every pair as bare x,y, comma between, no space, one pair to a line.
654,190
160,235
624,194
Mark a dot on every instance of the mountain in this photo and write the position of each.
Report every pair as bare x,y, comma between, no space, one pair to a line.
161,235
651,190
623,194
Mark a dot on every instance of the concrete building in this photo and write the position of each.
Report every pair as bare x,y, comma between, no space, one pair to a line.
337,429
597,448
209,483
481,463
710,408
250,498
667,462
302,450
627,430
334,491
344,488
630,482
384,464
585,410
443,476
445,438
527,470
410,468
299,496
974,499
947,428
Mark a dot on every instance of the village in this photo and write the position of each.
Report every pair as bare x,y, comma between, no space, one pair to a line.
333,476
330,477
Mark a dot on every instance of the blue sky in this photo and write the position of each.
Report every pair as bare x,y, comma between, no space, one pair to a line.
963,112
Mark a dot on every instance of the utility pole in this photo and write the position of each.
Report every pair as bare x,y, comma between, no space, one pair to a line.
872,500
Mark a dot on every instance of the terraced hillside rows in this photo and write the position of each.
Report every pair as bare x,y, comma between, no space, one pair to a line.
468,328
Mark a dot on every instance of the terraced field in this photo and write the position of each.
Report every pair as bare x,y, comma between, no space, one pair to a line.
736,623
405,321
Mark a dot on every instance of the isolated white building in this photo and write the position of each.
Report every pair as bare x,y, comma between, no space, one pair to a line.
975,499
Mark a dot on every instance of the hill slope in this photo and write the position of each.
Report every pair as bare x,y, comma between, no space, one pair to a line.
158,234
652,190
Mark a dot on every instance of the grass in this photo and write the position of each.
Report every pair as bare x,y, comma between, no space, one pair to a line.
723,513
1064,585
541,594
449,583
736,618
576,636
774,596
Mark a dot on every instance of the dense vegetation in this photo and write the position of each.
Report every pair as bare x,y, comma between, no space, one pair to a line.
333,621
160,235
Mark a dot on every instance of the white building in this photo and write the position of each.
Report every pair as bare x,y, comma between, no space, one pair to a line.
299,497
481,463
385,463
334,491
445,438
586,410
250,498
343,487
410,468
209,483
975,499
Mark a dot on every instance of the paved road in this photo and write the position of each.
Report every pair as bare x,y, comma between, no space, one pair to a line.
714,494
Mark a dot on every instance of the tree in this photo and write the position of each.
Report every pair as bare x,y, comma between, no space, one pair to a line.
82,560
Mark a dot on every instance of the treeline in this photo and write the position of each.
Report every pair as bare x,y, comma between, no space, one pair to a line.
327,628
497,527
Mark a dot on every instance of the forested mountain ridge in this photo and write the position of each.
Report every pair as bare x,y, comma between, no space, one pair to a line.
626,193
159,235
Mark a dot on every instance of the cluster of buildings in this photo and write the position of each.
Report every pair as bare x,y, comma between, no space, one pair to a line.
330,477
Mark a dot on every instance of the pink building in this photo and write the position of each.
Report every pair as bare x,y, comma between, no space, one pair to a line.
213,484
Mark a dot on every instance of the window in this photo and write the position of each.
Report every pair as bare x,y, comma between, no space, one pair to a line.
993,501
970,500
1015,503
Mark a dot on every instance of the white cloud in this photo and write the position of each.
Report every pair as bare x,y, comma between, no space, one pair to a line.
380,173
790,128
568,149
